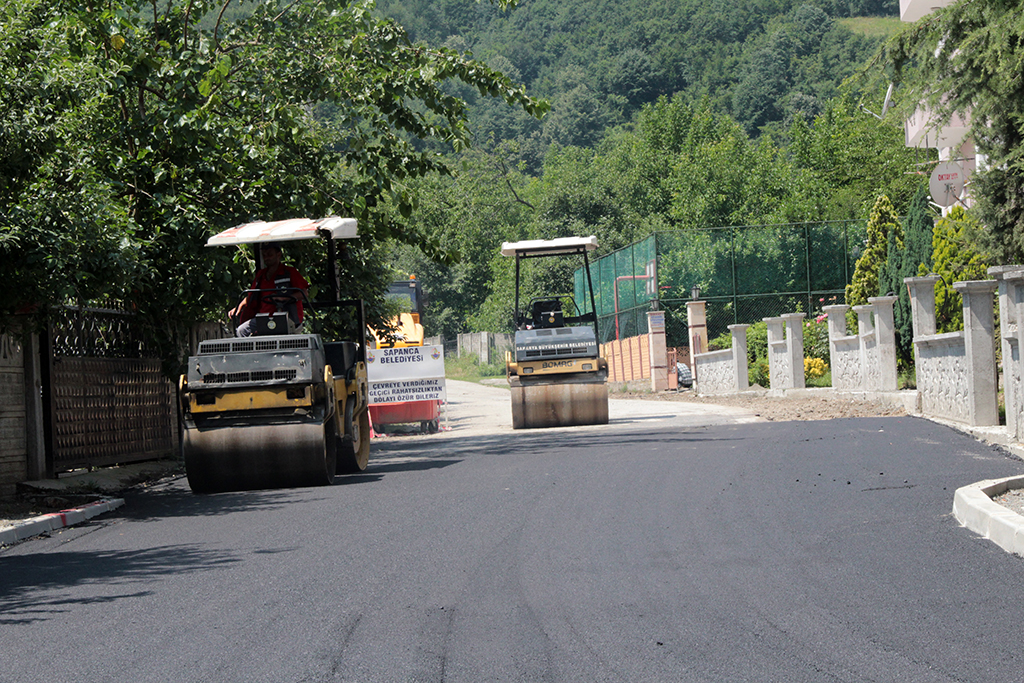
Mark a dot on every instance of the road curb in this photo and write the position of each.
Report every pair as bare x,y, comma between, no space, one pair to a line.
57,520
974,508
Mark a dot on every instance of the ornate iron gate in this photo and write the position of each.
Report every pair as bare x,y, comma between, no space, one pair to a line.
109,403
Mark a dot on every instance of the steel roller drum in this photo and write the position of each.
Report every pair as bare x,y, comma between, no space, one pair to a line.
243,457
558,404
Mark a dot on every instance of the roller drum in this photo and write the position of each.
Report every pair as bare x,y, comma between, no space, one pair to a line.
243,457
558,403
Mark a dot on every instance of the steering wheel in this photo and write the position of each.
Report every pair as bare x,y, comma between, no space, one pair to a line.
280,298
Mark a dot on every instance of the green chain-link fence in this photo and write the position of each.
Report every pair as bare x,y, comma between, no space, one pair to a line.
745,273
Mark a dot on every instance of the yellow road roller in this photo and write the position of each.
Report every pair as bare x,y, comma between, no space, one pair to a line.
280,408
555,371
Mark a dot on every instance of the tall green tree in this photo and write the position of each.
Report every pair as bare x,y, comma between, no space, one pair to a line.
161,130
484,202
882,223
967,59
915,254
955,258
850,158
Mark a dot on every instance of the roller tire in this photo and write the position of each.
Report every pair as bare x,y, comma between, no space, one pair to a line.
558,403
354,453
260,457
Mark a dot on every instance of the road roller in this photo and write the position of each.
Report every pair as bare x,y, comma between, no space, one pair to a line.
555,371
281,408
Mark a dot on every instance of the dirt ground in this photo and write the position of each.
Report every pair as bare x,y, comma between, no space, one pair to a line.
819,407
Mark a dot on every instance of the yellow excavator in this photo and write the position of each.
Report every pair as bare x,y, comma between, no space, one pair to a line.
283,407
555,371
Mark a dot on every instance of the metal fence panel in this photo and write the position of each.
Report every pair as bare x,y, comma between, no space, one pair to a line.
745,273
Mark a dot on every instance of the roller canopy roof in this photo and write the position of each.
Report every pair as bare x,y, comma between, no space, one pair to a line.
285,231
555,247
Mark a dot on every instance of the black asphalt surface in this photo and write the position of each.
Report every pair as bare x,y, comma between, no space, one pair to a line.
800,551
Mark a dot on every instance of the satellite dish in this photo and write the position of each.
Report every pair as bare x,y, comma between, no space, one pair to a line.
946,183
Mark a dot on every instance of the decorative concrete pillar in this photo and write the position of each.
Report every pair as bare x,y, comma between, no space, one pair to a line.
658,352
1009,345
776,353
786,351
739,356
866,347
979,342
697,322
1013,368
795,346
836,320
885,339
922,303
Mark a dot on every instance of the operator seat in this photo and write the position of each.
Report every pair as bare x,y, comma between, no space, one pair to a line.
547,313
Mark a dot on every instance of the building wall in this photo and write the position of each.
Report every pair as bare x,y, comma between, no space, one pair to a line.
13,447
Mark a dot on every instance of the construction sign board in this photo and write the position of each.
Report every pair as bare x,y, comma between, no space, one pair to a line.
411,373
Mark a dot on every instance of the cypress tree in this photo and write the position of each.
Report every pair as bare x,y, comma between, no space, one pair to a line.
882,223
906,262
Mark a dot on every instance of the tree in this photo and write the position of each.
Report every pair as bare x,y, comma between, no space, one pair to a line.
966,59
161,130
882,223
851,158
955,258
915,255
484,202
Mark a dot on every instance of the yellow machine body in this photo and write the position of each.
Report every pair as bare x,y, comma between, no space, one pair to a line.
244,431
556,375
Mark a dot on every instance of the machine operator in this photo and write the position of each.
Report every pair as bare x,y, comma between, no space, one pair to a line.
274,275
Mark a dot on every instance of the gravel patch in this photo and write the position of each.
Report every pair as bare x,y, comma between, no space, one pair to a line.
1013,500
780,409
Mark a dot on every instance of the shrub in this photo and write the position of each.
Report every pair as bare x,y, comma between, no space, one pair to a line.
915,256
721,342
757,343
955,257
816,339
814,368
470,369
757,373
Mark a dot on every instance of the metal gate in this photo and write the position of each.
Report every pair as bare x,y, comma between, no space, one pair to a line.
108,400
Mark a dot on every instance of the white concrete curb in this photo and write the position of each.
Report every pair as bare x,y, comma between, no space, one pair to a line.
57,520
974,508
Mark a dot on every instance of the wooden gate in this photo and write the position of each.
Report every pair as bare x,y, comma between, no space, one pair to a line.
108,400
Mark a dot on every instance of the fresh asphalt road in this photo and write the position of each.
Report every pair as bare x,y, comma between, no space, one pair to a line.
638,551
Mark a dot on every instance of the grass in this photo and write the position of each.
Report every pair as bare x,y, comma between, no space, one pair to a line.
469,368
873,27
822,381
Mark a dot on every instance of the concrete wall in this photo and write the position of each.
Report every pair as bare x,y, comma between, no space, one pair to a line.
942,380
956,371
489,347
866,361
13,411
724,372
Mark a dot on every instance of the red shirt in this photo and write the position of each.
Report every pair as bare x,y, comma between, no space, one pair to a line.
286,276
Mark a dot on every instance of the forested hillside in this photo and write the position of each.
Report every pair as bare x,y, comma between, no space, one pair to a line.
664,115
131,134
764,62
